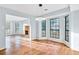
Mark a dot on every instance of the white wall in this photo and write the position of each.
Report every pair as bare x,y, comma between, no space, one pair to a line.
47,28
2,28
74,7
74,30
62,28
39,32
33,27
37,29
74,26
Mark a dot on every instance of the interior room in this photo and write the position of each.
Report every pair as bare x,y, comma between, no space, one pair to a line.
39,29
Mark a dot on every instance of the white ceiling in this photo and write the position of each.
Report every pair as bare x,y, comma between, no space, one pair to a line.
34,9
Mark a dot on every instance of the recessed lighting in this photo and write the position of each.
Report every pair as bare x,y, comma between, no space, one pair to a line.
40,5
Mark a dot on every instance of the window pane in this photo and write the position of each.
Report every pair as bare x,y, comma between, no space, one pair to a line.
7,28
67,28
54,28
43,28
19,27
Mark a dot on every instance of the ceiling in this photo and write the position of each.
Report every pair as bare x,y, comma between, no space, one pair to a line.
34,9
14,18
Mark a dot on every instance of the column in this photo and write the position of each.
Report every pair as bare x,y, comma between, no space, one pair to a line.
48,28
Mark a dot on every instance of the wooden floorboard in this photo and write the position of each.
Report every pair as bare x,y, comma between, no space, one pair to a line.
17,45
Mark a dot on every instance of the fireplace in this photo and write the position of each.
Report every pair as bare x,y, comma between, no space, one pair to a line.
26,33
26,30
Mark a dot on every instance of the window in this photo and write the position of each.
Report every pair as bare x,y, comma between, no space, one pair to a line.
18,27
43,28
7,28
54,28
67,28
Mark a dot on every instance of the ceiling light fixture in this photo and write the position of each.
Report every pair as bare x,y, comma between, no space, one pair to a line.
40,5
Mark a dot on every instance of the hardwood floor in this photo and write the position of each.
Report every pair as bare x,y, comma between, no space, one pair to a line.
18,45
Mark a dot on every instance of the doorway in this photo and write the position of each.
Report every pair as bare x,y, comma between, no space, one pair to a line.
17,34
27,31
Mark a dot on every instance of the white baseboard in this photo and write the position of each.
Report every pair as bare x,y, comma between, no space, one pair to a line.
60,41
